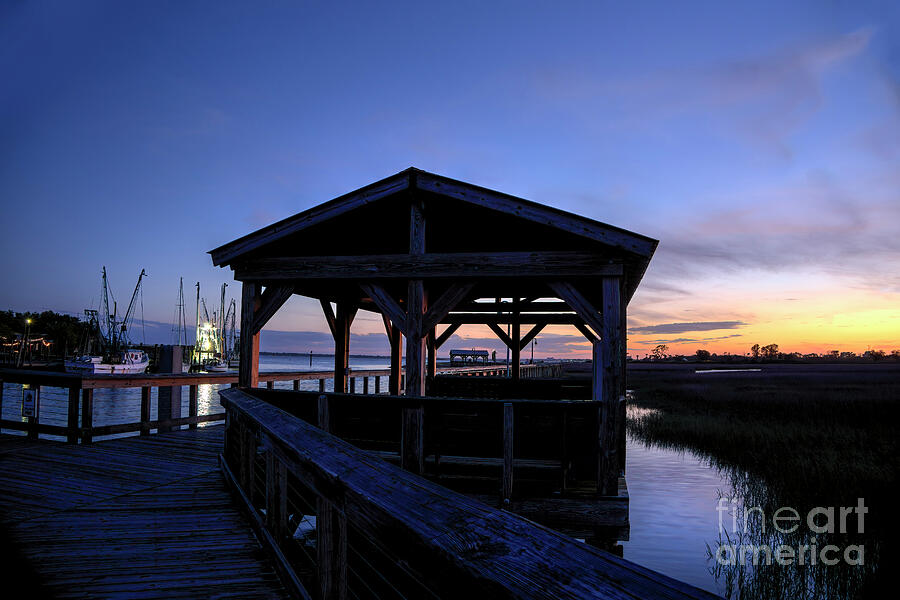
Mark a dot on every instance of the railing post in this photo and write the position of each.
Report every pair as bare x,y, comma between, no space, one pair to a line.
352,389
145,410
33,421
321,385
248,459
71,414
331,550
276,497
192,404
270,385
87,415
324,420
508,448
377,384
365,385
296,385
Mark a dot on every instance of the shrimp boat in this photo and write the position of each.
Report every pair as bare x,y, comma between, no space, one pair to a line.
214,350
104,347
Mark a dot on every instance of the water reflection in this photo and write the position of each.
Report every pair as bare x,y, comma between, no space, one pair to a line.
675,529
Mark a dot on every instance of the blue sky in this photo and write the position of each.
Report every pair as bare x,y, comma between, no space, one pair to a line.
759,142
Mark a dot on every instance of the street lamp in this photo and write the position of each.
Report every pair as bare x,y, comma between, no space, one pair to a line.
24,343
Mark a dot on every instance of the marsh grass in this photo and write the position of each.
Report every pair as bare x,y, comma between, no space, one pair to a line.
792,435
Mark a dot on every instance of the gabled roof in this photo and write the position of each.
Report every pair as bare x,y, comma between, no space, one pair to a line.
639,247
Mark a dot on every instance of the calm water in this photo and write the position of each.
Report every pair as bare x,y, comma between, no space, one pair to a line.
673,497
673,494
123,405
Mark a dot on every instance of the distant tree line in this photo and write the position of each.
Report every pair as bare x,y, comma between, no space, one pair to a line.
771,353
61,331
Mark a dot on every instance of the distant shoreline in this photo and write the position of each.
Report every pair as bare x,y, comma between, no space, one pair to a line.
314,354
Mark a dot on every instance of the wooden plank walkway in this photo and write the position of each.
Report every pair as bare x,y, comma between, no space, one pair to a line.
137,517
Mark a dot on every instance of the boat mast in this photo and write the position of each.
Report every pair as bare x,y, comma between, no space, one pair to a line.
197,336
220,330
129,314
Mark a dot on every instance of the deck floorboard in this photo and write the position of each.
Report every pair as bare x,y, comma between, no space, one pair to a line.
137,517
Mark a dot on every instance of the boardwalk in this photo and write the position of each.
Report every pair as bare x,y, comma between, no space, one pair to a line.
133,517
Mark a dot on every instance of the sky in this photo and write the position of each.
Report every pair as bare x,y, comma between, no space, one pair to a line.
758,141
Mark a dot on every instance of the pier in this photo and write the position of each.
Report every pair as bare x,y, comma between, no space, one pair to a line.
443,483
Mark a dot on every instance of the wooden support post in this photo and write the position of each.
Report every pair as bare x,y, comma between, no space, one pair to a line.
431,347
72,413
415,339
394,383
248,374
412,439
145,410
508,449
365,385
516,339
192,404
377,384
609,370
168,398
331,551
87,415
343,320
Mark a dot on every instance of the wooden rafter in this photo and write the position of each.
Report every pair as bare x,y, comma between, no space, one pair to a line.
447,302
437,264
272,299
590,335
501,334
578,303
384,301
445,335
329,316
525,319
531,335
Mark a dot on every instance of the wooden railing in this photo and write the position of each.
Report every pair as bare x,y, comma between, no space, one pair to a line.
343,523
80,395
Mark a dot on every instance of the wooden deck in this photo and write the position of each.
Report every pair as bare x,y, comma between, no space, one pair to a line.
136,517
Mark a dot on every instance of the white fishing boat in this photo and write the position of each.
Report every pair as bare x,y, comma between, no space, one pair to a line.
215,366
128,362
107,352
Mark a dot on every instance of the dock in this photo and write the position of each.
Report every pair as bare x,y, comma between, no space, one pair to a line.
138,517
471,482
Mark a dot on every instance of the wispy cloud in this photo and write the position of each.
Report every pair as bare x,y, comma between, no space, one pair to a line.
684,327
763,98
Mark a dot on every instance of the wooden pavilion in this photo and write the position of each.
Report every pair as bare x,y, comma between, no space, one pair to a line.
430,254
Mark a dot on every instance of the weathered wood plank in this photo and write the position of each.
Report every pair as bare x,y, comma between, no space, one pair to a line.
469,265
455,544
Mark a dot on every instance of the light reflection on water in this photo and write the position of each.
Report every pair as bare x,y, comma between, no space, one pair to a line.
113,406
673,496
